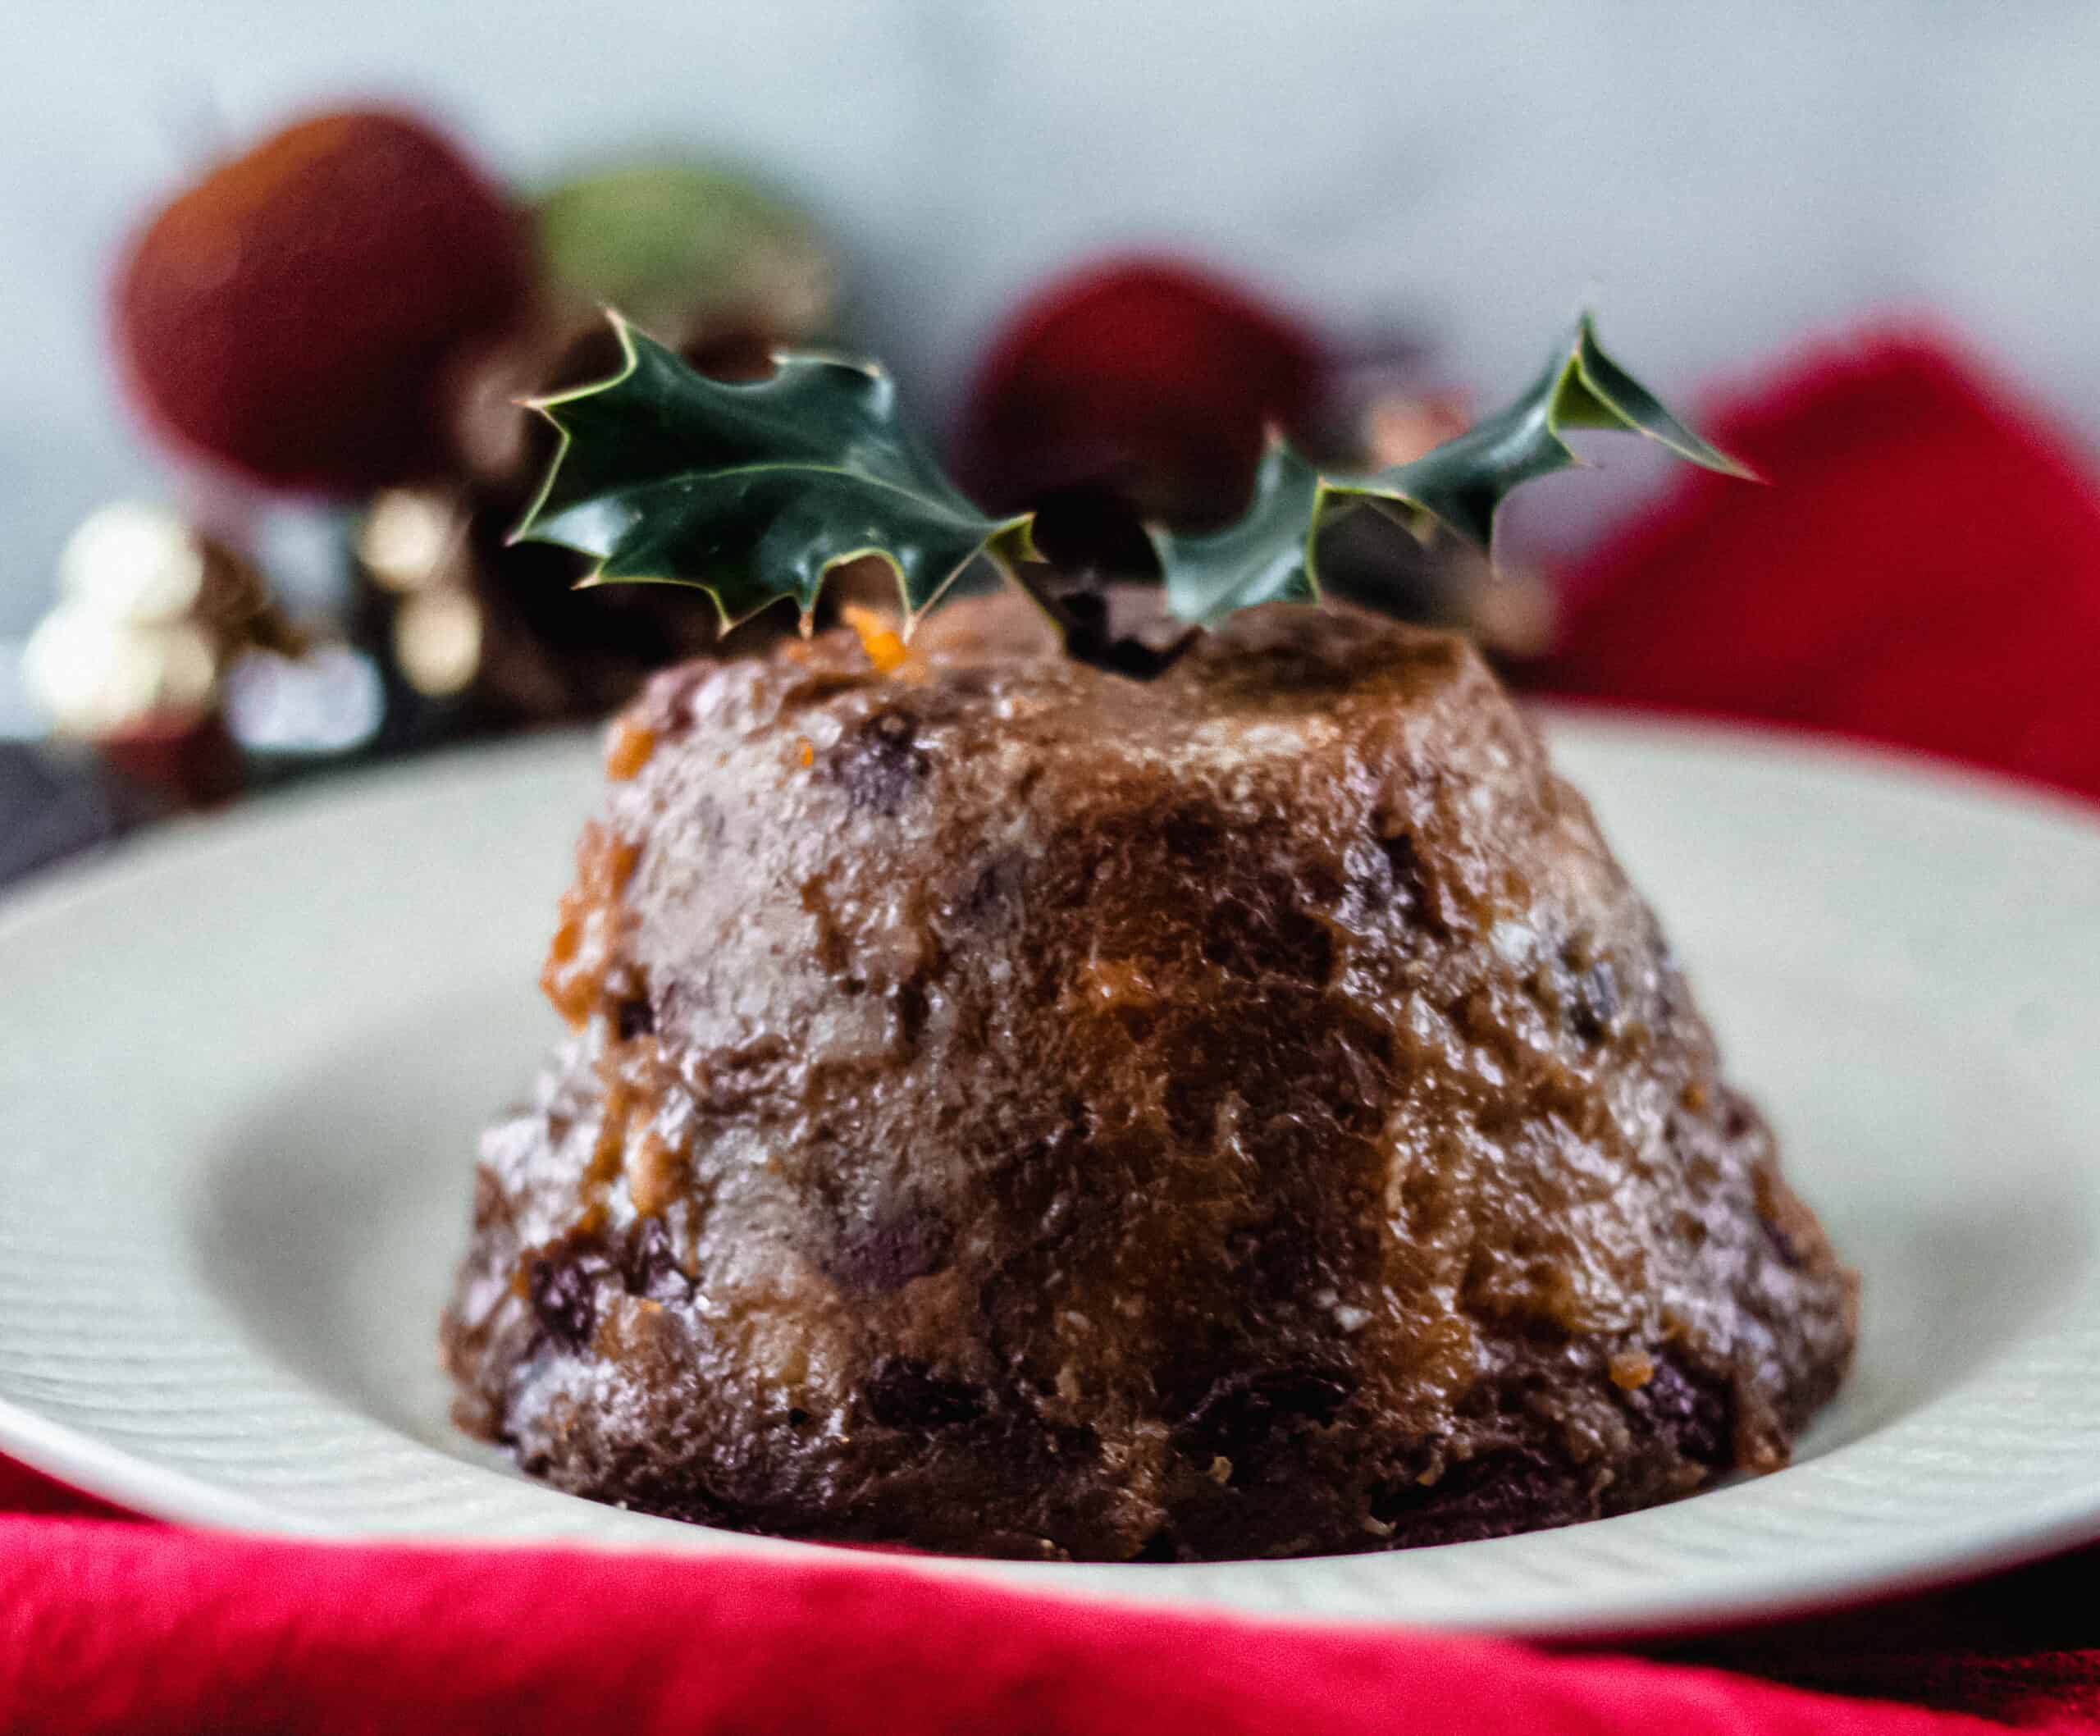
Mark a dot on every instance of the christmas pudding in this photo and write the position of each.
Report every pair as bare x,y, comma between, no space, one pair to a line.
1060,1089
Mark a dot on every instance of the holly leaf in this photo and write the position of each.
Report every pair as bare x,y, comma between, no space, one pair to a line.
1270,554
1265,556
757,491
1463,482
754,491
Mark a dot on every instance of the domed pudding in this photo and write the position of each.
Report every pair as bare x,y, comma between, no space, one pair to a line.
1015,1109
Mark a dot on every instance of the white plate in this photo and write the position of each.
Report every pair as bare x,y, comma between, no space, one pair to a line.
241,1071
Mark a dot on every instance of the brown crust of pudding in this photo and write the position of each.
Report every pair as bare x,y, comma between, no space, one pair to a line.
1016,1109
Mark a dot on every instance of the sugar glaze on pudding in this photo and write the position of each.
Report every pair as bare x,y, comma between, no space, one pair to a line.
1013,1108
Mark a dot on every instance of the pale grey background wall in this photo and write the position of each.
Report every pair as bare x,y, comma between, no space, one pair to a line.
1726,177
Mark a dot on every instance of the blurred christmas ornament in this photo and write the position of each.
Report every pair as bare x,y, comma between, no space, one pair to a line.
1146,378
149,613
151,616
352,308
418,546
693,253
301,313
96,676
1145,388
476,634
709,263
328,703
410,540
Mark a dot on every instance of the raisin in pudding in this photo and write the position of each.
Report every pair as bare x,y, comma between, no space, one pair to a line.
1012,1107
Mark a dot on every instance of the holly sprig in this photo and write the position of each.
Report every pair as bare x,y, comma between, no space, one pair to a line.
754,490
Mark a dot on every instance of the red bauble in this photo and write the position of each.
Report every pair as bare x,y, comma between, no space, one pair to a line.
1144,376
297,313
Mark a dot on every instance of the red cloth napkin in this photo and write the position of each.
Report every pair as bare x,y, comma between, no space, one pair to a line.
107,1626
1927,570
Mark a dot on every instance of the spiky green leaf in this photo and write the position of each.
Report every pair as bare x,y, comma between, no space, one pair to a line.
1264,556
1269,554
754,491
1463,482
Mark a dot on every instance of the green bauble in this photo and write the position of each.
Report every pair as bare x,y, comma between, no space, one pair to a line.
675,244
